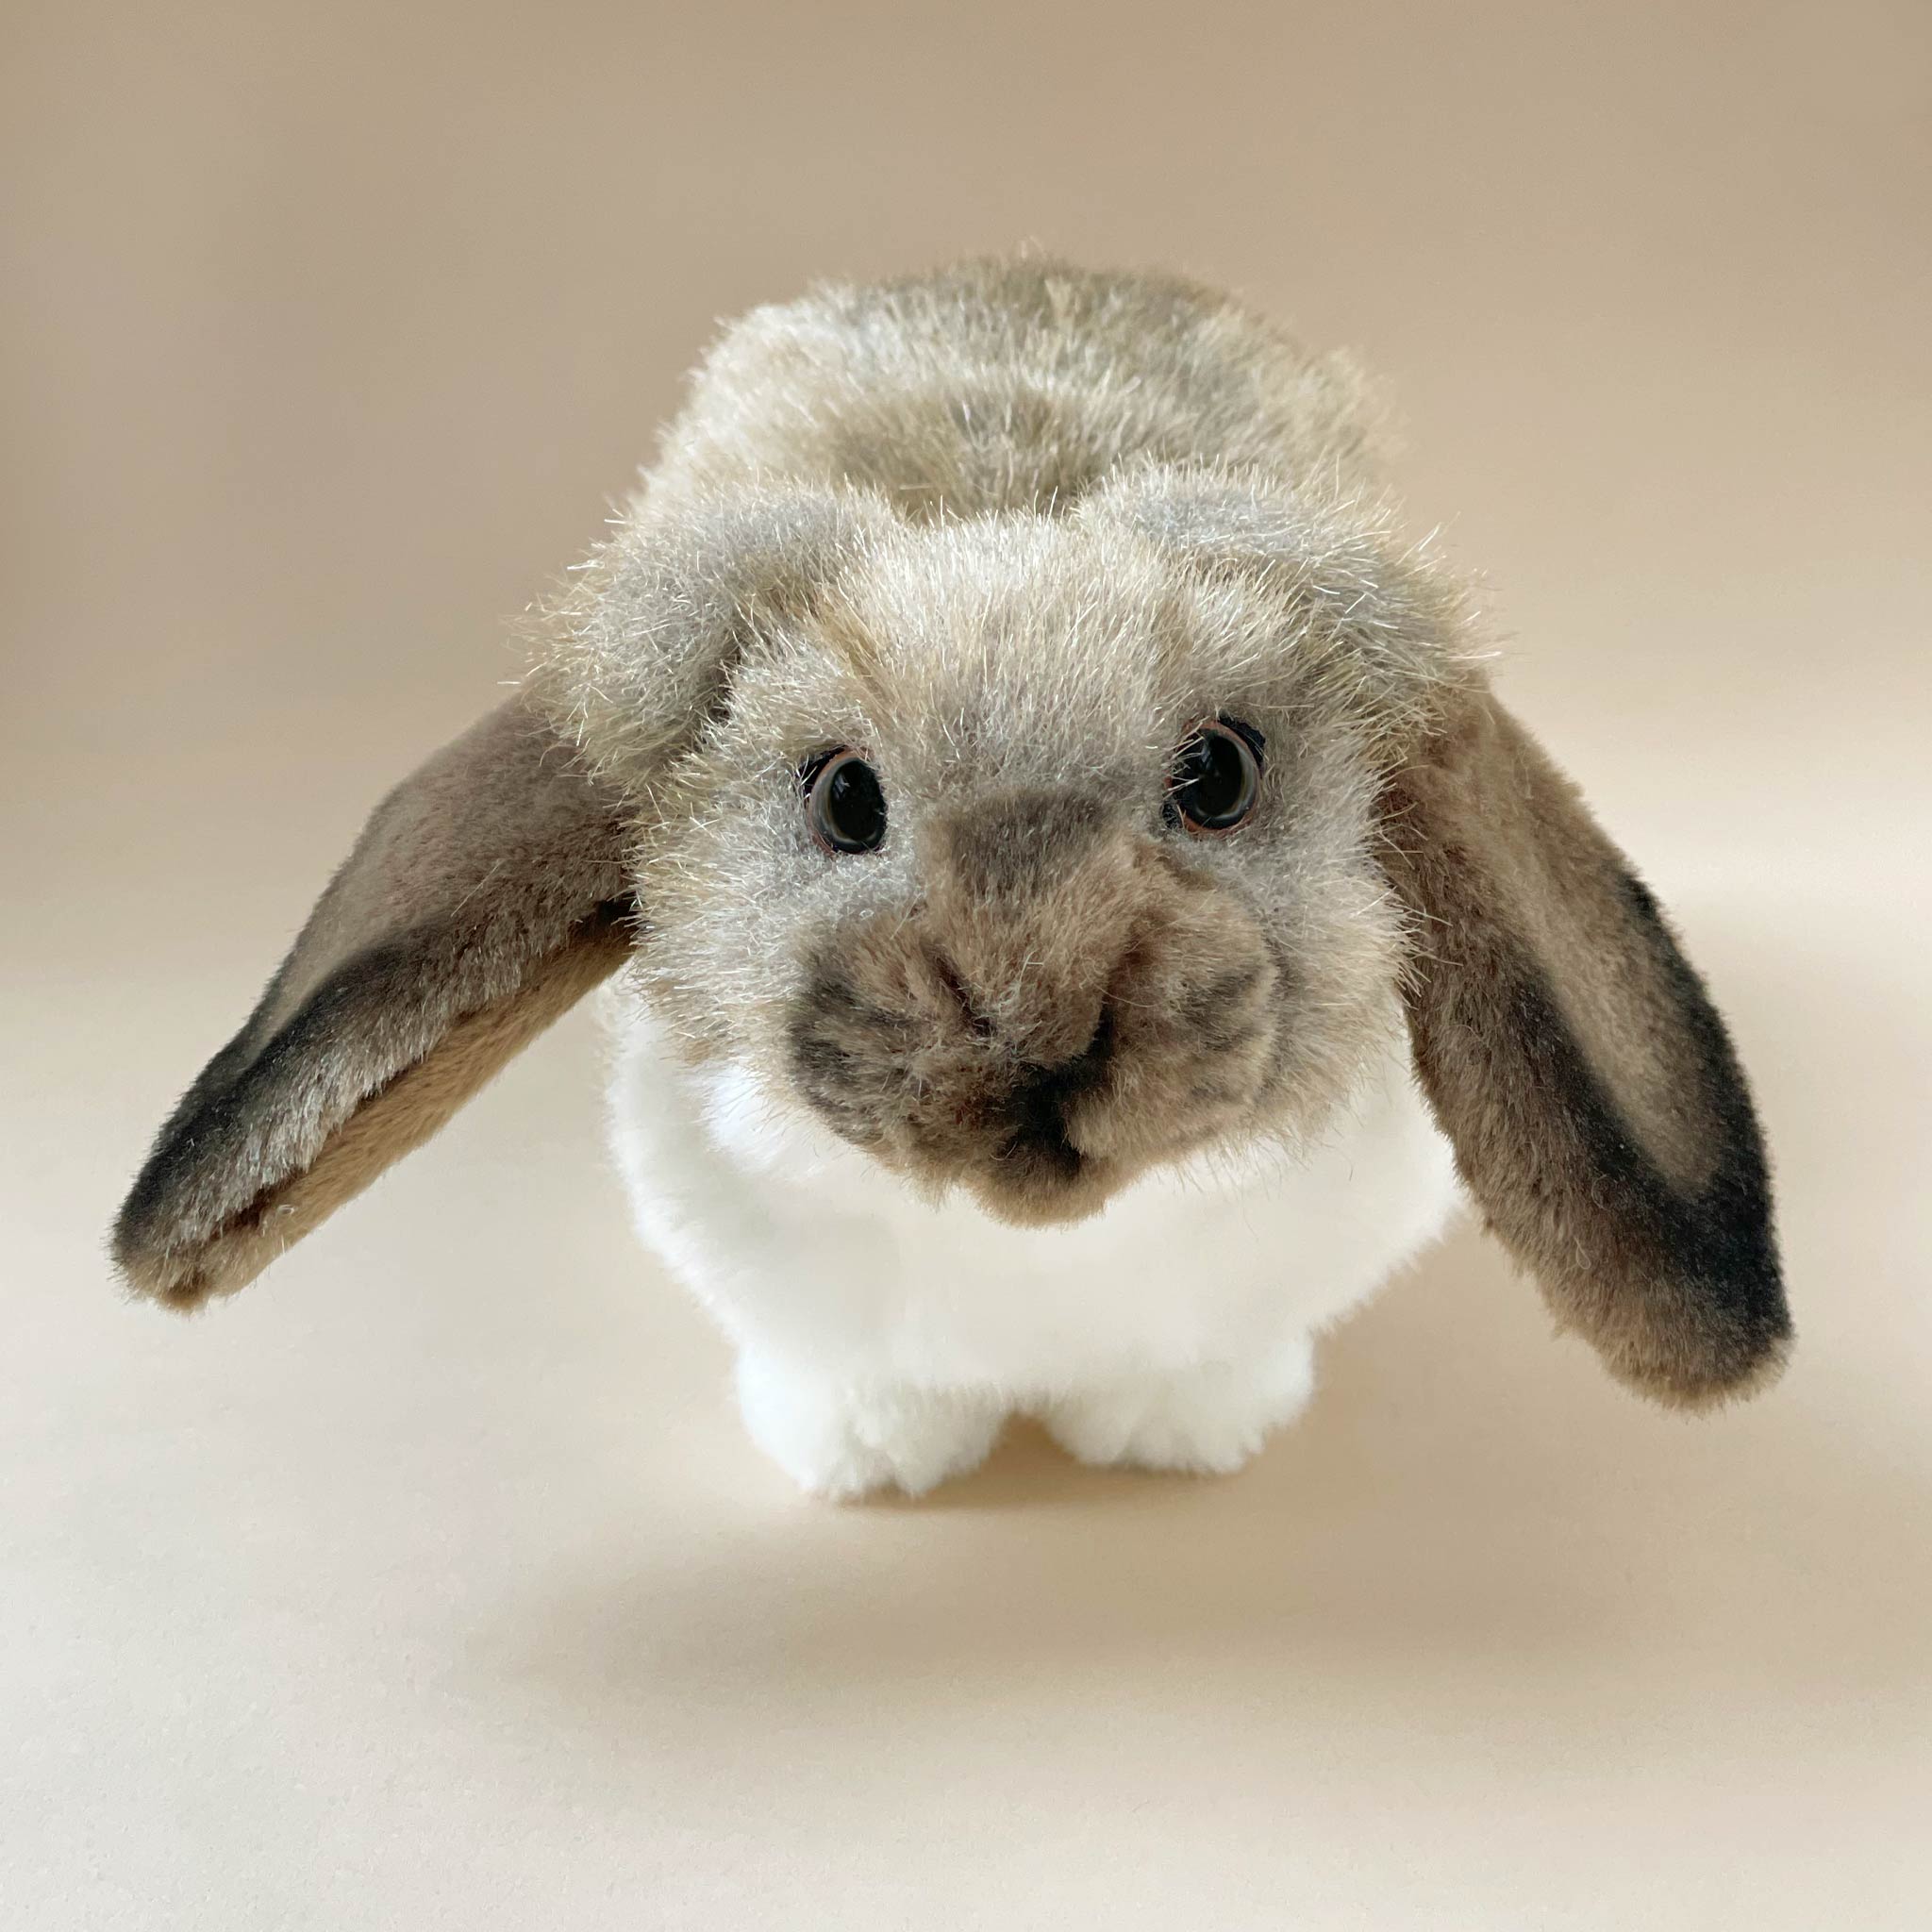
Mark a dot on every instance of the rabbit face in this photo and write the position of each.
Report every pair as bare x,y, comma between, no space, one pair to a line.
1015,963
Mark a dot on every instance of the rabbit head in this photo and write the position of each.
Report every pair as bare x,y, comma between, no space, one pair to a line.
1046,952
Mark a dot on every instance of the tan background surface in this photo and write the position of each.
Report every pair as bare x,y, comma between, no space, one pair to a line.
433,1584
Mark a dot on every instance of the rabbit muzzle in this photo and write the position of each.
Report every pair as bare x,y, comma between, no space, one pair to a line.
1068,1004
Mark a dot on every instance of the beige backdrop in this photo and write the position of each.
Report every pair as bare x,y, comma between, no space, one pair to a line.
432,1583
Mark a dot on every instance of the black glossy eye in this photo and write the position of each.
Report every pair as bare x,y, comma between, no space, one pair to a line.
1216,778
843,802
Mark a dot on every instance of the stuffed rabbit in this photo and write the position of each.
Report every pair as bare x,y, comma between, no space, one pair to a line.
1080,918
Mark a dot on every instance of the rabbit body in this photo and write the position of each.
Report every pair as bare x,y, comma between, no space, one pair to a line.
883,1334
883,1338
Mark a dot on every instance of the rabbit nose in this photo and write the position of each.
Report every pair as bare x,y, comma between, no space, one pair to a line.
1045,1025
1033,904
979,1022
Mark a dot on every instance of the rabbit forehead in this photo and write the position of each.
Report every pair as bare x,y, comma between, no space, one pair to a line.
1050,648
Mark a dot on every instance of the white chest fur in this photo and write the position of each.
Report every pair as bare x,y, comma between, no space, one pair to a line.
841,1287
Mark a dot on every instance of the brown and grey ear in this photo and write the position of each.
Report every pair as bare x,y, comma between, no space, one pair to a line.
1570,1053
485,896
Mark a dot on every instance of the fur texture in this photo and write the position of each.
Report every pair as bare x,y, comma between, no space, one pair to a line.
1013,533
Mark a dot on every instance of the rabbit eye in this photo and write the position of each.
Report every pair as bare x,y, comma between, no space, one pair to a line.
844,803
1216,780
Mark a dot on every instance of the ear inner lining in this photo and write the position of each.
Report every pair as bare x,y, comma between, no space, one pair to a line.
395,1121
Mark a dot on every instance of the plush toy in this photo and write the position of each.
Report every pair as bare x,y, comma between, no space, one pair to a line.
1078,908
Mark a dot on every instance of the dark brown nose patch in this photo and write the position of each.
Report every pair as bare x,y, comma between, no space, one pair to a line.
1031,903
1019,844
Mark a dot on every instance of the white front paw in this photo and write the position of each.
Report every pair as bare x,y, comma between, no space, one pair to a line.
1208,1422
841,1442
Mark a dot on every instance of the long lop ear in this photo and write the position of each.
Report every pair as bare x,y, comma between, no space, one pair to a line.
1576,1062
1570,1051
485,896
